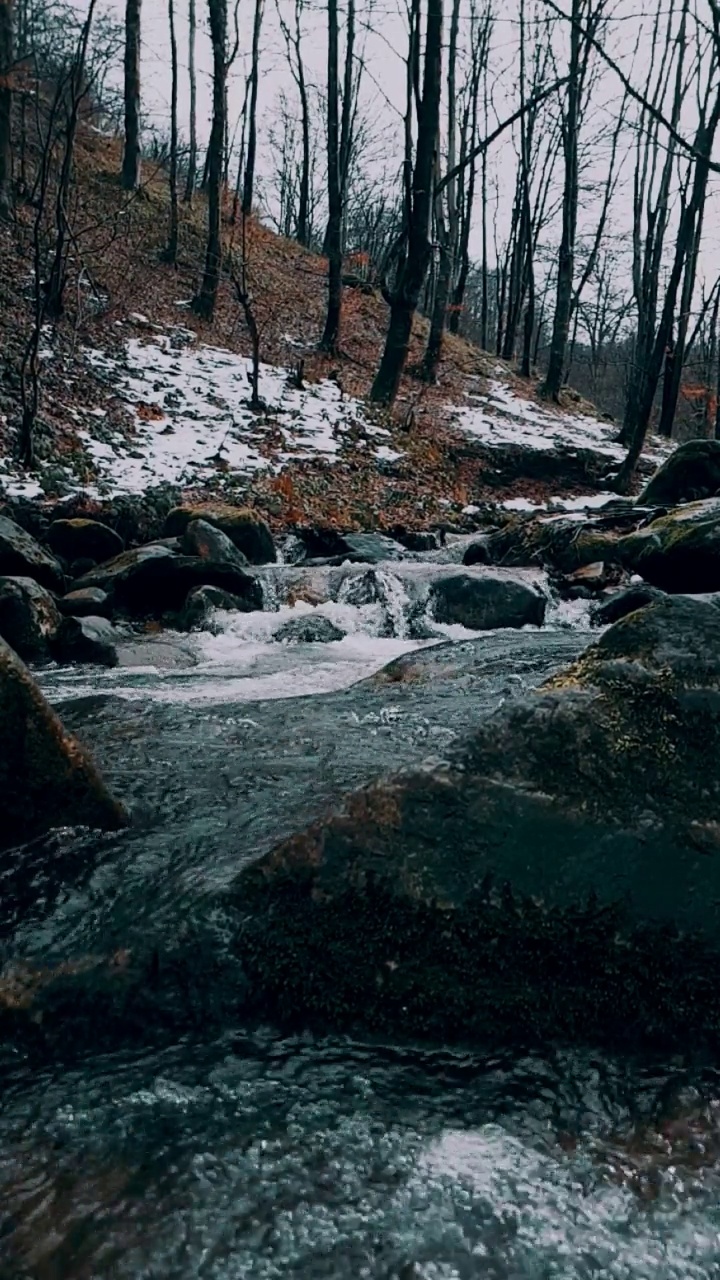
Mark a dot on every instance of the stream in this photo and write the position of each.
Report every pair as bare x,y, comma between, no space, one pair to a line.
234,1151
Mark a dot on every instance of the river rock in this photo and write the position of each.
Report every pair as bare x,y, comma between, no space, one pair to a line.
84,539
22,556
88,639
558,874
691,472
246,529
563,542
309,629
621,603
483,603
679,551
46,777
204,540
202,602
29,618
85,603
154,580
331,547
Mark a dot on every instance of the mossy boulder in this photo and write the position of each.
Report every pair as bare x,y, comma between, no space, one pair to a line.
563,542
557,875
679,551
47,779
691,472
154,580
245,528
84,539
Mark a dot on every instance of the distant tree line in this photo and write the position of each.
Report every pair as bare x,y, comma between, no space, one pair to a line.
557,287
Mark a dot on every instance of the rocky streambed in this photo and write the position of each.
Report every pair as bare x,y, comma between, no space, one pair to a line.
407,962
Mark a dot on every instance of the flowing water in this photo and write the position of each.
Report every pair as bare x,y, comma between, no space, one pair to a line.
235,1151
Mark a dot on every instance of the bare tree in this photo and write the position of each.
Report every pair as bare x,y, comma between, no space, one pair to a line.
247,199
204,303
48,294
684,262
191,177
586,19
7,57
420,192
333,238
171,251
296,63
131,152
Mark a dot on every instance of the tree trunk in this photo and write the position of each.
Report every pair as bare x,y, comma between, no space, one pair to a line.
171,252
414,269
249,182
566,259
204,303
192,156
6,105
433,350
303,218
55,291
131,154
333,237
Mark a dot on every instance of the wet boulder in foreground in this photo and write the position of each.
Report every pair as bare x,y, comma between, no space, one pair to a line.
558,875
46,777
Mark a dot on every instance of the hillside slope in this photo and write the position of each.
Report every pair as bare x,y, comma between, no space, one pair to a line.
137,391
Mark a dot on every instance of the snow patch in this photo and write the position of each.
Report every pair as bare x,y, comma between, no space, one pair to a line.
500,416
193,419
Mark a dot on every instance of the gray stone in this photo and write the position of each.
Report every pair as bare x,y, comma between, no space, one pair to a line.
22,556
29,618
309,629
85,603
46,778
483,603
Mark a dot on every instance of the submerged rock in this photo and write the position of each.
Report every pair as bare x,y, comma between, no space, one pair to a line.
84,539
485,602
691,472
309,629
29,618
246,529
202,602
154,580
679,551
46,777
22,556
557,875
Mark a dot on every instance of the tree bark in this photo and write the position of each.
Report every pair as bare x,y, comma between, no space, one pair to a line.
171,252
6,106
249,181
131,153
333,237
204,303
414,269
566,258
193,152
